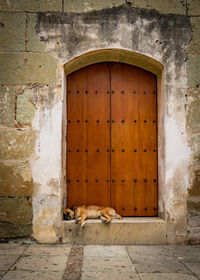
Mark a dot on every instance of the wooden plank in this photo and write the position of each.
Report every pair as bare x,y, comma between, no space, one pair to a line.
146,187
76,130
98,114
124,136
89,136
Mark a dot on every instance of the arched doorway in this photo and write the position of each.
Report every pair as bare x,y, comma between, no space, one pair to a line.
112,138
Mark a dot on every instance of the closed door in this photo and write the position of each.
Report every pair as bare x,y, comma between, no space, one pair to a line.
112,138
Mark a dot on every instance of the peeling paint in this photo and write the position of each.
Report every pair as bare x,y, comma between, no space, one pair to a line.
46,171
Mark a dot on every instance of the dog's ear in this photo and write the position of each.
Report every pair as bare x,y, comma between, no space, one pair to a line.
65,211
73,208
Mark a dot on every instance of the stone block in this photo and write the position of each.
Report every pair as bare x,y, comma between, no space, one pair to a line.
45,263
193,205
193,92
25,107
193,115
7,105
194,71
193,7
151,259
195,146
195,188
7,261
17,210
166,276
105,251
125,231
194,231
14,249
187,253
194,141
195,222
195,42
32,275
9,230
46,96
117,274
165,7
31,5
194,267
77,6
48,250
35,97
33,43
23,68
12,31
15,179
16,145
100,264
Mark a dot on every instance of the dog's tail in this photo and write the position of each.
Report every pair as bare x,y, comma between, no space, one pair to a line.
118,216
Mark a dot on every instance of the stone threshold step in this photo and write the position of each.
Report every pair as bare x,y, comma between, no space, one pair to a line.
126,231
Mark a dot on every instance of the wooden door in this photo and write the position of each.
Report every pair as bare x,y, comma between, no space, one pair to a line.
112,138
133,141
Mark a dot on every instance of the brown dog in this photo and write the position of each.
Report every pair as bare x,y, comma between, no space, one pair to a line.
81,213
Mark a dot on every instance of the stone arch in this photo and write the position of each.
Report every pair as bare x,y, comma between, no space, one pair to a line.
116,55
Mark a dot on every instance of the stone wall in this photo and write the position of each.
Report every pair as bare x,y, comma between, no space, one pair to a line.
31,79
193,122
29,82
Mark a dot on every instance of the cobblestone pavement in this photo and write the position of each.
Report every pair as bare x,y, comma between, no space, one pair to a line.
95,262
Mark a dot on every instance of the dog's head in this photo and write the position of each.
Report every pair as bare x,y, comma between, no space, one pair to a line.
69,213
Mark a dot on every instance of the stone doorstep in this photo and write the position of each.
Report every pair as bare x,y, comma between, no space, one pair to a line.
148,231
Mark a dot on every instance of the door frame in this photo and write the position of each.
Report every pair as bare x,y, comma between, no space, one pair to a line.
132,58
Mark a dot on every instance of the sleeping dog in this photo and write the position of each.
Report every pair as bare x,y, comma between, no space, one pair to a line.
81,213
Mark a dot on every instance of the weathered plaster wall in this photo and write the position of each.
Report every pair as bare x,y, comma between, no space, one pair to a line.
31,72
193,123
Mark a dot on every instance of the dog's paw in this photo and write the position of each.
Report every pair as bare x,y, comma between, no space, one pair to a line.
105,222
83,226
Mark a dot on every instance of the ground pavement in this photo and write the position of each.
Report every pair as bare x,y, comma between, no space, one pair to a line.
95,262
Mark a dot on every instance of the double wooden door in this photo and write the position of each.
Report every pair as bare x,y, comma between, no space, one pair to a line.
112,138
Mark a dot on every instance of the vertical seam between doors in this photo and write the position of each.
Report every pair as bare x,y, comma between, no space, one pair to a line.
109,65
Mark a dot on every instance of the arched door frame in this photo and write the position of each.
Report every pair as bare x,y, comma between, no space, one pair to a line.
132,58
